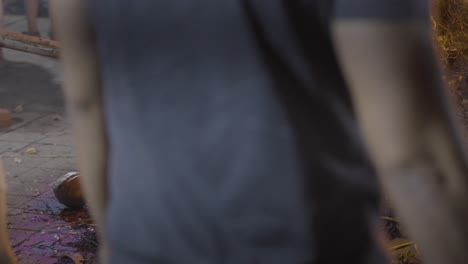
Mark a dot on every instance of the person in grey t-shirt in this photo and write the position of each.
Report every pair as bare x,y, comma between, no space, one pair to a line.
225,132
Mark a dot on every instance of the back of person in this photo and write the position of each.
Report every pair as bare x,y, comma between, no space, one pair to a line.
232,135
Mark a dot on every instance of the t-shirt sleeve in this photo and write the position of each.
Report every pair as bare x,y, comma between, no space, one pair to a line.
382,9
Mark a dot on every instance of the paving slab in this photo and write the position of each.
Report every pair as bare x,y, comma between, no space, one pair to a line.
16,201
38,174
28,188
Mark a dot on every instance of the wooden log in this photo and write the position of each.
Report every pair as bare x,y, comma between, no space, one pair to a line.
29,44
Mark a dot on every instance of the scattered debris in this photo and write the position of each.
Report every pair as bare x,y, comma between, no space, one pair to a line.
31,151
19,108
450,23
87,242
42,156
403,250
392,227
64,233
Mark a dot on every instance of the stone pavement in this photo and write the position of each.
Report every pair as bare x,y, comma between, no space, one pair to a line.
36,151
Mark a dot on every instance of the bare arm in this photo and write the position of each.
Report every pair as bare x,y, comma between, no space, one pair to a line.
402,109
83,96
6,253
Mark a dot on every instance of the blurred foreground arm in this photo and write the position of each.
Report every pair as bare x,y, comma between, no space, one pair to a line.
403,110
6,252
83,97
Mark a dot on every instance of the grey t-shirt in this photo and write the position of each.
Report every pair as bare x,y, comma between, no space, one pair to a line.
231,131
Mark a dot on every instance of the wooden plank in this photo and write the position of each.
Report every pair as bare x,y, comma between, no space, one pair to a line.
29,44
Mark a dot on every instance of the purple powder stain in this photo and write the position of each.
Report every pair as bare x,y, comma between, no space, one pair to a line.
56,231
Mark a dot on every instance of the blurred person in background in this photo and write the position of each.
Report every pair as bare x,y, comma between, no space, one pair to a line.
32,14
1,25
225,131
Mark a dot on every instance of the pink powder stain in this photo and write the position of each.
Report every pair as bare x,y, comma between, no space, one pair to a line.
51,231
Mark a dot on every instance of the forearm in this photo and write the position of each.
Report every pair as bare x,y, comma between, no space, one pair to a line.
91,146
86,112
399,95
6,252
400,103
83,96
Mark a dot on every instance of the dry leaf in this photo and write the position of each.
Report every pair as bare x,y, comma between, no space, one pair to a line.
18,160
31,151
19,108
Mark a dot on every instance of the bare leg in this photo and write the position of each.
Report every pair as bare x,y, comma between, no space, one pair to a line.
1,26
32,9
51,25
